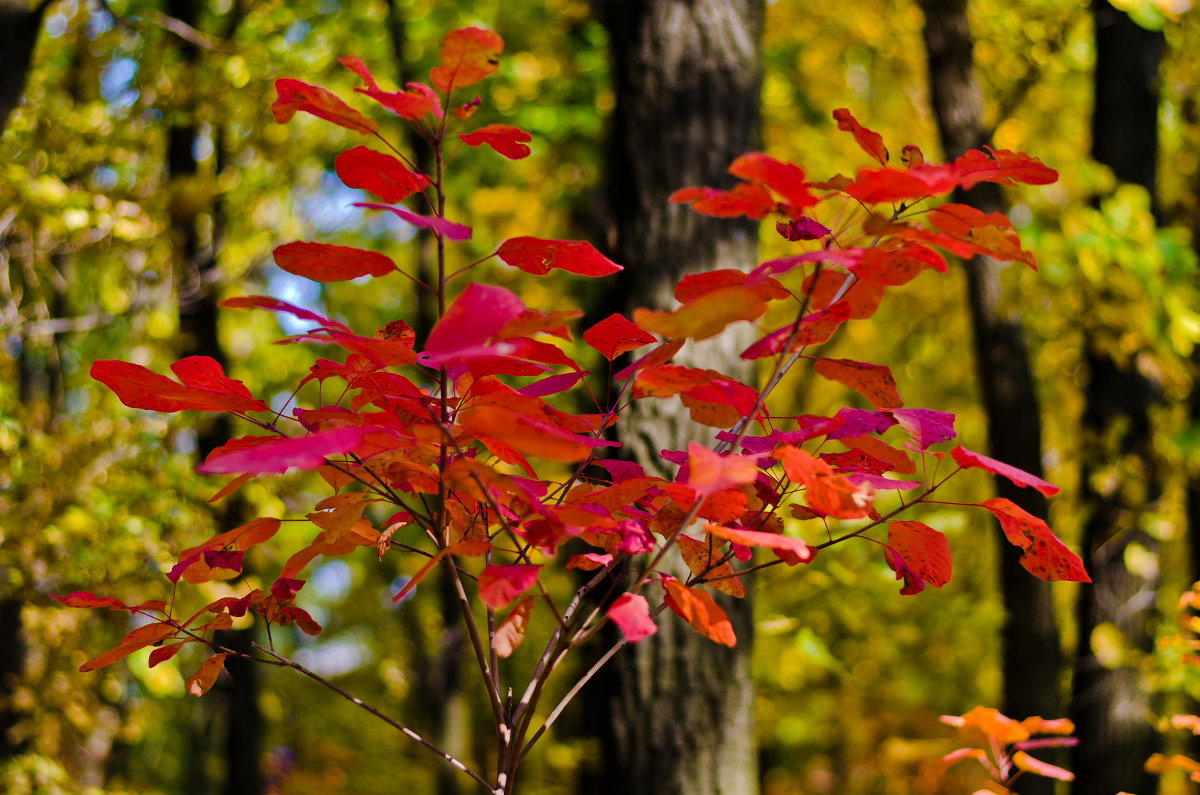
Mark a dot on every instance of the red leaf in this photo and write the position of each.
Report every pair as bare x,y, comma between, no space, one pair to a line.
379,174
140,638
87,599
862,296
786,179
874,382
704,317
325,262
1045,556
468,55
871,142
506,140
695,285
527,434
925,427
913,584
538,256
475,315
440,226
499,585
206,676
1003,166
752,201
969,459
164,653
589,561
815,328
897,265
412,104
631,613
193,565
959,219
698,609
209,390
616,335
879,185
275,455
824,490
924,549
800,551
295,95
802,228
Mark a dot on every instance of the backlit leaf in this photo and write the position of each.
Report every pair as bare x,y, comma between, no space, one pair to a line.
705,563
698,608
209,390
889,185
872,381
379,174
752,201
206,676
971,459
477,313
1024,761
924,549
505,139
694,285
802,552
925,427
538,256
412,104
1045,556
871,142
710,472
296,95
468,55
511,631
631,613
499,585
785,179
139,638
275,455
1003,166
326,262
704,317
616,335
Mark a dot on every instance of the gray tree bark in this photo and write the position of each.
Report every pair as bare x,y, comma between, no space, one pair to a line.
678,708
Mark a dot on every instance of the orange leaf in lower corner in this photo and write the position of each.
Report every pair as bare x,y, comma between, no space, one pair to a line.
1045,556
698,609
199,683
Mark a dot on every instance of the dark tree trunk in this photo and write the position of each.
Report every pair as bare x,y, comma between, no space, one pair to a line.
19,26
1032,657
678,709
1119,474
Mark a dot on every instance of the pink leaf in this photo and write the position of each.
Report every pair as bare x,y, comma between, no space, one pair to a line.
925,427
275,305
631,613
968,459
275,455
552,385
506,140
440,226
499,585
475,315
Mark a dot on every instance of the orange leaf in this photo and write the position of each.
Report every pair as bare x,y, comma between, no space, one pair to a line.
698,558
140,638
874,382
710,472
1045,556
204,678
511,631
825,491
924,550
862,297
1027,763
704,317
801,552
468,55
991,722
698,609
871,142
897,459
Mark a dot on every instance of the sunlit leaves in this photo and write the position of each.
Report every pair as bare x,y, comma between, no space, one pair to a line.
874,382
698,608
139,638
326,262
262,455
206,675
871,142
924,550
615,335
379,174
511,630
412,104
1002,166
968,458
705,561
468,55
705,316
631,613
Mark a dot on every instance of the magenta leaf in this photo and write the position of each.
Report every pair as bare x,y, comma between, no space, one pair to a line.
440,226
275,455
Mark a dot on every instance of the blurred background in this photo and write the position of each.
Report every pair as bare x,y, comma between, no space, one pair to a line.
142,179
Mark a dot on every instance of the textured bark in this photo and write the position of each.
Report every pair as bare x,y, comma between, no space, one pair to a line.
687,76
1118,469
19,26
1032,656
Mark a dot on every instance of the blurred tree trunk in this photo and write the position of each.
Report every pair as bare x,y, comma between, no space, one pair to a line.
197,226
19,27
687,74
1119,476
1032,656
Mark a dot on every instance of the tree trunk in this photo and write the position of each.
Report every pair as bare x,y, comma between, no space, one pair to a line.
1119,477
19,26
687,76
1032,656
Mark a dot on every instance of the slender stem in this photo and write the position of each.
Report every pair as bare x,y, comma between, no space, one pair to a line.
412,735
